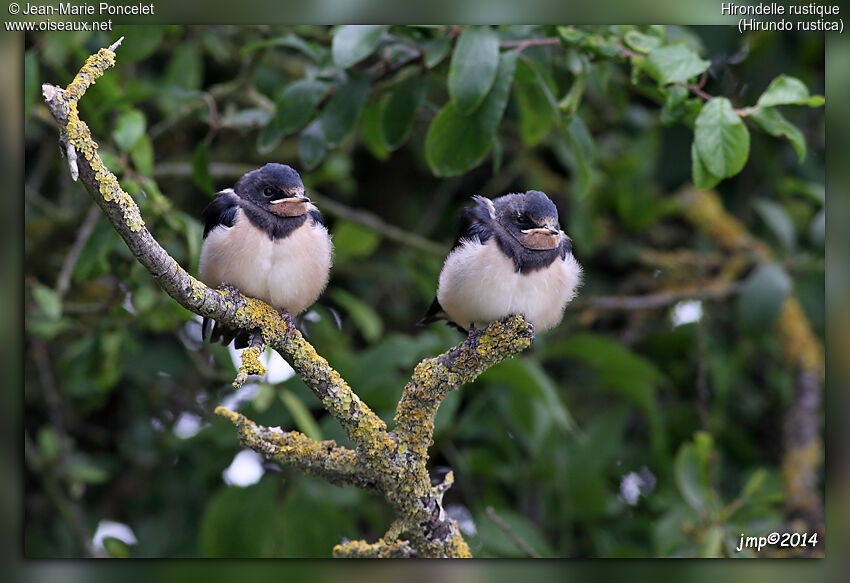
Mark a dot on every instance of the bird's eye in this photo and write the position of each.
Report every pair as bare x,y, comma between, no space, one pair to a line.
268,191
523,220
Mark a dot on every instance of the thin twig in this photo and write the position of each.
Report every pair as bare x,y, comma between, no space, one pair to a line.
695,89
515,538
658,300
63,282
374,223
325,203
523,44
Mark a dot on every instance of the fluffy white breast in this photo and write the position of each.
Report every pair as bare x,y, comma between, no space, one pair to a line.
480,284
288,273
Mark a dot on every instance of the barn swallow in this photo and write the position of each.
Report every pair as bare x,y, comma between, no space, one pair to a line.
510,257
267,239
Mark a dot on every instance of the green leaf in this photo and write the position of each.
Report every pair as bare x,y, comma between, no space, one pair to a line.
239,522
711,542
139,43
129,128
721,138
247,119
116,548
294,107
456,141
313,518
31,80
583,152
671,63
142,156
312,145
365,318
492,535
498,154
778,220
263,398
343,109
473,69
94,257
571,35
785,90
353,43
537,110
48,300
607,47
673,109
618,369
691,468
437,50
312,50
774,123
49,443
183,77
304,420
642,43
570,102
372,132
754,484
762,296
354,241
201,169
399,110
83,470
534,402
701,176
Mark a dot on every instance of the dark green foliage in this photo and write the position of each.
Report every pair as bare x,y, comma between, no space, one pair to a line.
605,119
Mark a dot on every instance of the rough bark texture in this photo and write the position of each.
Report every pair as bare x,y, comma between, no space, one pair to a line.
392,463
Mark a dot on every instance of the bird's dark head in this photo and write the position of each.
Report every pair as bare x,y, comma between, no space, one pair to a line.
531,218
275,188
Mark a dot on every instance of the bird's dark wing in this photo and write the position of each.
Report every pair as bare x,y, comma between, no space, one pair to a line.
476,222
316,216
435,313
566,246
221,211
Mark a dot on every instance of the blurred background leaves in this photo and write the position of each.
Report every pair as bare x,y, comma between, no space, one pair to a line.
393,130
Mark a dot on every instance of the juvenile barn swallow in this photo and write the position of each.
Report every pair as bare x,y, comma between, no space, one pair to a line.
267,239
510,257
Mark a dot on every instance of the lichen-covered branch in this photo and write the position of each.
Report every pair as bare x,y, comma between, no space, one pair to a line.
226,306
390,463
435,377
251,364
358,549
803,449
323,459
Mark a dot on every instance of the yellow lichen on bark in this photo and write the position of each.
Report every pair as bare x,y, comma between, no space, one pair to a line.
80,137
799,344
705,210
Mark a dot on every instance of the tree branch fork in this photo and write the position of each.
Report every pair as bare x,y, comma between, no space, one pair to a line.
392,463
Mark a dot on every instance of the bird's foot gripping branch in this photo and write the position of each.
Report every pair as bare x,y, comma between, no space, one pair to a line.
389,462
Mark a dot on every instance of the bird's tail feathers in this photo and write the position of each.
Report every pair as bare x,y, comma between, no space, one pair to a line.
433,314
224,335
